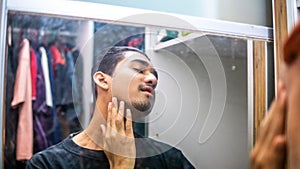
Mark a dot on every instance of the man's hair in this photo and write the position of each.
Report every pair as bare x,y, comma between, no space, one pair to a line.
112,57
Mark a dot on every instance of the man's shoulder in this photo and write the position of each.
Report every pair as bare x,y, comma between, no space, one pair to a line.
55,150
48,157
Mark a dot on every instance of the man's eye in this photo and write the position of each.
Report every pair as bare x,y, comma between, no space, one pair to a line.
138,70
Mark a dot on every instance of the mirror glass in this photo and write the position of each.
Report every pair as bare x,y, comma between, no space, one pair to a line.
201,97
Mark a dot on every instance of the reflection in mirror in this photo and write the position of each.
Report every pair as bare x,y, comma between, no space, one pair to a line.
40,109
59,51
201,104
201,96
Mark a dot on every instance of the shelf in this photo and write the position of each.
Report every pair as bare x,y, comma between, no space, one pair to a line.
173,42
206,45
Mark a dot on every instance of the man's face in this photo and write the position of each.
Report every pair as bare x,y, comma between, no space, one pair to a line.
134,81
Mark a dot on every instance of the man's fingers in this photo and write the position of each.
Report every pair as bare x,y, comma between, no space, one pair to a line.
279,115
116,118
115,102
274,123
121,110
278,100
268,120
113,118
279,143
279,147
280,87
109,113
120,119
269,154
128,125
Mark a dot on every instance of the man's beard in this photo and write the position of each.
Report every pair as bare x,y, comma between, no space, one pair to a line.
142,106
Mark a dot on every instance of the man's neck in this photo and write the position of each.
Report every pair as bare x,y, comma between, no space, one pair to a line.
86,140
91,137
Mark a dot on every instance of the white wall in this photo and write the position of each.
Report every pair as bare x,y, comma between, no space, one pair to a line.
221,142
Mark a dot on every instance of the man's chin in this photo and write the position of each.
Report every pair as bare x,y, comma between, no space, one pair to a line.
140,111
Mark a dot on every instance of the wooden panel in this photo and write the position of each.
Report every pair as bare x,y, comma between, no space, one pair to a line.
280,31
259,69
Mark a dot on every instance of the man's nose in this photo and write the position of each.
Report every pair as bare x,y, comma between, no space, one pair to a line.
151,79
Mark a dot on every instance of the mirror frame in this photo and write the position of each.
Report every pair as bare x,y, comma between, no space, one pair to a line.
256,35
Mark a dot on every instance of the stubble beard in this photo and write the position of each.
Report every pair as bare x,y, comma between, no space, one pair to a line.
142,106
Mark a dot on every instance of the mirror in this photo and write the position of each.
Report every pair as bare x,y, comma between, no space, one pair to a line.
201,98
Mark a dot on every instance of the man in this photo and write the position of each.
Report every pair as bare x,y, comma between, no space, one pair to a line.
278,144
126,75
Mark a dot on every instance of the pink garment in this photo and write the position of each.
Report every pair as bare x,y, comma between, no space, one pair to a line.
23,98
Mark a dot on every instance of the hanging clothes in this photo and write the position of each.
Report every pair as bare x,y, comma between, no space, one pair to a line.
57,134
57,58
33,68
71,113
65,91
43,114
44,62
39,104
40,136
23,99
44,129
51,74
62,78
12,115
77,80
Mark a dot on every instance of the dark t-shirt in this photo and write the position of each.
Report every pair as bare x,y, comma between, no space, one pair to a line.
68,155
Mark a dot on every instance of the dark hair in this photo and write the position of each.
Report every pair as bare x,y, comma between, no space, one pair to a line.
112,57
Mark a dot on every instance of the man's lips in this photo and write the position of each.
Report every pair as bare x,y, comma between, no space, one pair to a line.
147,89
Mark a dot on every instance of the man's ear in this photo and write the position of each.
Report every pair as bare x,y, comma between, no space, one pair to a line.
100,80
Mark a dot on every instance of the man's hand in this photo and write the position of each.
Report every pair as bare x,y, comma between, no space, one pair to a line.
270,148
290,70
118,138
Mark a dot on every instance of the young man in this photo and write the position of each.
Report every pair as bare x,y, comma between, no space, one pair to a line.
278,143
126,75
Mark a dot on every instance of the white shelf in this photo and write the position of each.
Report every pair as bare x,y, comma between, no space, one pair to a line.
173,42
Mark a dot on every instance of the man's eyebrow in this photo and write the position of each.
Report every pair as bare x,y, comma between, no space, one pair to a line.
141,62
145,64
